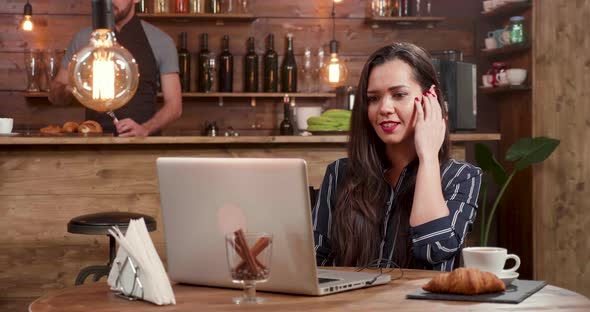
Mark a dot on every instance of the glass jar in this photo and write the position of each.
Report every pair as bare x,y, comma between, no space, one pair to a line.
516,29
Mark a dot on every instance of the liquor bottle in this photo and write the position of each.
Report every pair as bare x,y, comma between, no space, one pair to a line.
251,68
213,6
184,64
271,67
289,68
140,7
205,76
181,6
286,127
226,68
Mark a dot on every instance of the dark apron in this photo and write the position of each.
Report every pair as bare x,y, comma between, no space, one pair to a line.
142,106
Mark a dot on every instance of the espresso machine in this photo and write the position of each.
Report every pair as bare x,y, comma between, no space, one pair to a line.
459,86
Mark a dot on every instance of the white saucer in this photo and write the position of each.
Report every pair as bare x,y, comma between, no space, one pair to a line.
9,134
508,277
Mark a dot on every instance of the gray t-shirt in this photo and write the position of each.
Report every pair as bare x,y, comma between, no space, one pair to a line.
162,46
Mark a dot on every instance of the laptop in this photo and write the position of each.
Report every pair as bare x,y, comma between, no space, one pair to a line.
203,199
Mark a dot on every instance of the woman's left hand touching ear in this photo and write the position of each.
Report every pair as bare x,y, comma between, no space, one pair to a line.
430,125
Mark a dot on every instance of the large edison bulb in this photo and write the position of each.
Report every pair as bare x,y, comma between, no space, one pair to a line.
334,72
104,75
27,23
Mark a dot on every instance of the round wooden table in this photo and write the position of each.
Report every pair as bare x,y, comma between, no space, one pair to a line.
98,297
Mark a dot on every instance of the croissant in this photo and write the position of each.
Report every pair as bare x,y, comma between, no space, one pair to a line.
465,281
51,129
89,126
70,127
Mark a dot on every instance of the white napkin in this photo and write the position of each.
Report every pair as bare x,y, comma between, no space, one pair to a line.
138,245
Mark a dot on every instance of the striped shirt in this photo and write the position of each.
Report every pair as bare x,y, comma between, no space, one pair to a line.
435,243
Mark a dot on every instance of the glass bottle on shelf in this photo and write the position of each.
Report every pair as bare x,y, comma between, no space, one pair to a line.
271,67
181,6
307,72
184,64
205,74
318,69
289,68
516,29
162,6
251,68
381,7
196,6
286,127
226,68
213,6
140,7
429,7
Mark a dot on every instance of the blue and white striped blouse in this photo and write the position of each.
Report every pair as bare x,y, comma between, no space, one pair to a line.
435,243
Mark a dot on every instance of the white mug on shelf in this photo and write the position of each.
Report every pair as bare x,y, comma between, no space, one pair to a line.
491,43
6,125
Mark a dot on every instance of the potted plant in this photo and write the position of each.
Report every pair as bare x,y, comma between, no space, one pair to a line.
524,153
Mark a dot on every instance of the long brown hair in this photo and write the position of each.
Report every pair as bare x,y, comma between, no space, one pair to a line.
358,215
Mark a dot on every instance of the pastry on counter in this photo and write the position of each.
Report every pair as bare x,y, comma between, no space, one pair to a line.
465,281
89,126
51,129
70,127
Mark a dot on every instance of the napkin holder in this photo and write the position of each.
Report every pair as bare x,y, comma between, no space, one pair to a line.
128,284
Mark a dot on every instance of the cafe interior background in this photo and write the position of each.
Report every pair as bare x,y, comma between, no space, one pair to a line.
543,216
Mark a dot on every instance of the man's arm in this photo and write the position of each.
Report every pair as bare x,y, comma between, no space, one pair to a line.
171,110
60,92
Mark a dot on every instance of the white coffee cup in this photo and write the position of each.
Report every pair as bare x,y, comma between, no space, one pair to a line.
302,113
489,259
491,43
6,125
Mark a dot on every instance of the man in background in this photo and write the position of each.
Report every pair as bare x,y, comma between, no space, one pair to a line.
156,56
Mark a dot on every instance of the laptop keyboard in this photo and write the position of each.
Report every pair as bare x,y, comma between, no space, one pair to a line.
323,280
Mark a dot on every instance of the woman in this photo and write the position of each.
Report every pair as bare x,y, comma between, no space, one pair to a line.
397,200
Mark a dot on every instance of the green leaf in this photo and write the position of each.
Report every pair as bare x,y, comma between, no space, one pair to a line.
528,151
488,163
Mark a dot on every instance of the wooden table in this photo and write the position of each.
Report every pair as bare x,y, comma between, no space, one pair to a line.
97,297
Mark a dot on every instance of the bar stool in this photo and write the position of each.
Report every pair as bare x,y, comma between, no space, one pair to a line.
99,224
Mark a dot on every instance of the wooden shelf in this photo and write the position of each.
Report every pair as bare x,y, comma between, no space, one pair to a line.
505,89
255,95
35,139
243,17
221,94
506,50
34,94
508,9
429,21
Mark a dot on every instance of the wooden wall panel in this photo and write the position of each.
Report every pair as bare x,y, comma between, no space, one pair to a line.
42,188
561,187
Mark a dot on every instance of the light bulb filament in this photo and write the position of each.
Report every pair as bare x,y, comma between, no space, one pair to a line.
334,71
103,76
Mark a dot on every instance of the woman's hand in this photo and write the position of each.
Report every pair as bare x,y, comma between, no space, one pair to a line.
430,126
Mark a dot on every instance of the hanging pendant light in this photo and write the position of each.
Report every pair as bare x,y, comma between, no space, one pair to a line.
27,21
103,75
334,72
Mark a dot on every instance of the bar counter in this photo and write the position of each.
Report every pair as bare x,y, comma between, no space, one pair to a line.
46,181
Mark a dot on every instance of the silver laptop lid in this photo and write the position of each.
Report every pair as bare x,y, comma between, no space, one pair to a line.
203,199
